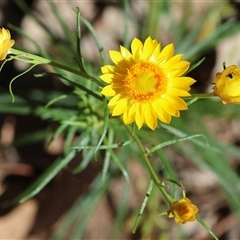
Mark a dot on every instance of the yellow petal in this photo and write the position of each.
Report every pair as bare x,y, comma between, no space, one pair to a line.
107,69
173,61
107,77
128,117
149,117
136,45
182,82
119,108
178,102
182,66
169,107
178,92
136,48
108,91
114,101
155,54
148,48
139,117
125,53
116,57
6,33
3,56
166,53
161,114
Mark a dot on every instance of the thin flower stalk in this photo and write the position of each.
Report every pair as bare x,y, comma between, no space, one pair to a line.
151,171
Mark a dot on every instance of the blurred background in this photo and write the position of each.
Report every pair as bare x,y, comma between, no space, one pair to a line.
72,205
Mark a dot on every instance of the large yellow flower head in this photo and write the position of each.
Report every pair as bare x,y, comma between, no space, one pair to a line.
228,85
146,83
183,211
5,43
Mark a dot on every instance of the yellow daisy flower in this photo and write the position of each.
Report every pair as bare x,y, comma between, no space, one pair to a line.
228,85
183,211
5,43
146,83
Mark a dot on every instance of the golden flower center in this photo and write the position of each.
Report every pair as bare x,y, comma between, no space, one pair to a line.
183,211
145,81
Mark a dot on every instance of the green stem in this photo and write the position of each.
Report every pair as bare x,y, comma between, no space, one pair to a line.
40,60
202,95
153,175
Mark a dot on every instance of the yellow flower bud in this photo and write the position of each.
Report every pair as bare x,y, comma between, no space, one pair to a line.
5,43
183,211
228,85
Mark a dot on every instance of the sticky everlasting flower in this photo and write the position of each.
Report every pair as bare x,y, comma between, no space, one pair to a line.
5,43
228,85
146,83
183,211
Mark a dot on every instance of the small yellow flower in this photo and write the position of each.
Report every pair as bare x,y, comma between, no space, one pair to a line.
228,85
5,43
183,211
146,83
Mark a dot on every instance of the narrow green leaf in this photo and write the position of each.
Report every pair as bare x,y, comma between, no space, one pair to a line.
126,5
105,126
94,34
167,143
206,227
55,100
195,65
143,206
107,157
67,33
19,75
79,58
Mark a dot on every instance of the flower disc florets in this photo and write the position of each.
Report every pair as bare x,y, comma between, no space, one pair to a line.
146,83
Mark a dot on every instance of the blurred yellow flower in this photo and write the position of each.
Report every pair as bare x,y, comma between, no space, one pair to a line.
228,85
183,211
5,43
146,83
